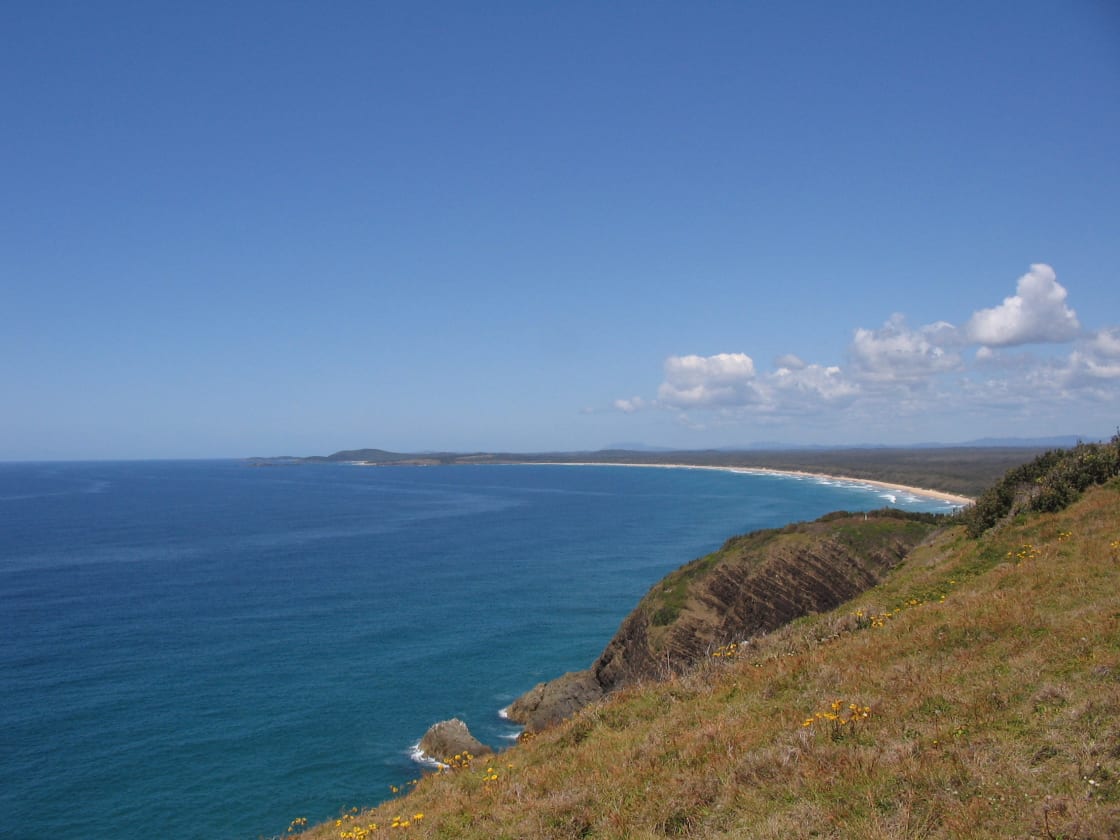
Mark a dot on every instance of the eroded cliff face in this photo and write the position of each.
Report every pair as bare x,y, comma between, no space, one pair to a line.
753,584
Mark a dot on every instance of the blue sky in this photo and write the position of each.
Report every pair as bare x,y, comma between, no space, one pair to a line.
290,228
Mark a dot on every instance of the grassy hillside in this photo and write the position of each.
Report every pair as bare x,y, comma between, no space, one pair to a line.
974,693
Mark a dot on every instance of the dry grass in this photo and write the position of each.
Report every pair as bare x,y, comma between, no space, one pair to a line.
990,677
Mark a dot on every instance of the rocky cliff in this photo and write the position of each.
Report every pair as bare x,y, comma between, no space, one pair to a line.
753,584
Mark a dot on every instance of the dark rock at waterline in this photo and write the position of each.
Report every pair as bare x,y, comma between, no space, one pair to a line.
550,702
449,738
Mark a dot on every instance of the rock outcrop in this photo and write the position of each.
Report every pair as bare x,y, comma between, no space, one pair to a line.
550,702
449,738
752,585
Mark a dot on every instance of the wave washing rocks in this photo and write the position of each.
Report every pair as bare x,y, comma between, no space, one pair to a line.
449,738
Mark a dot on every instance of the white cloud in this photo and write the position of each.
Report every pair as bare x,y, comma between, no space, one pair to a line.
1105,343
897,353
899,374
1096,360
720,380
1085,368
722,368
629,406
728,382
989,359
816,382
1036,313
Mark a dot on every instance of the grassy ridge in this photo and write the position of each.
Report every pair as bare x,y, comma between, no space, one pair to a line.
975,693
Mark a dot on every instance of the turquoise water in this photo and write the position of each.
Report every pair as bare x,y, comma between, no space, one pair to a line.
206,649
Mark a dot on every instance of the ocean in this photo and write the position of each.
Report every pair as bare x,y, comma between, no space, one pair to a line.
207,649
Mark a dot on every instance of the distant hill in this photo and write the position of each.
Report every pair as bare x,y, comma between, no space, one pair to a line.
1062,441
1058,441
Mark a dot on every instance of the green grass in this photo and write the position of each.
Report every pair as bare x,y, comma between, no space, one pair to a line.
669,598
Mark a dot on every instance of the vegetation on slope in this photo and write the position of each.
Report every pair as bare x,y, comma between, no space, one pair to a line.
1048,483
974,693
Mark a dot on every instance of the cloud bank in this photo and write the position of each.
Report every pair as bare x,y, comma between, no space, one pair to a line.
894,352
988,363
1036,313
723,379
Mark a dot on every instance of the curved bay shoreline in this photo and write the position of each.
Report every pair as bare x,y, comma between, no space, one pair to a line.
921,492
961,473
955,499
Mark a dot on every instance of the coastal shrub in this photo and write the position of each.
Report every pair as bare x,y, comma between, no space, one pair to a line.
1048,484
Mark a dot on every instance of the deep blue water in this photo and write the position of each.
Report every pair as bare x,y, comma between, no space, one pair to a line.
206,649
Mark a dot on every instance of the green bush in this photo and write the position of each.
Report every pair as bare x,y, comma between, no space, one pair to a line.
1049,483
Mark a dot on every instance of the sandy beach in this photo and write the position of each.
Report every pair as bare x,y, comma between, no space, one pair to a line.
886,485
921,492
